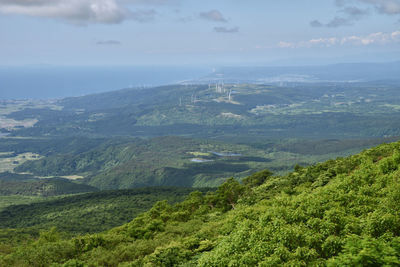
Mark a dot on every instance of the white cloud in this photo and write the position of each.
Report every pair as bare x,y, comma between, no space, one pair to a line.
373,38
390,7
151,2
351,14
213,15
81,11
396,35
75,11
283,44
324,41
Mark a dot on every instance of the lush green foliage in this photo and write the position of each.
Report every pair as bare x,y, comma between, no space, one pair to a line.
11,200
343,212
88,213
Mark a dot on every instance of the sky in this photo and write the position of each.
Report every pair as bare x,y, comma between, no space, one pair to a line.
194,32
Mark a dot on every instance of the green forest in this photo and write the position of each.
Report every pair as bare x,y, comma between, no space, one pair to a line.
88,212
342,212
129,162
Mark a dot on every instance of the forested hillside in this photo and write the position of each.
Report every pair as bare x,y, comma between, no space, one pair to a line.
343,212
90,212
163,161
28,185
121,163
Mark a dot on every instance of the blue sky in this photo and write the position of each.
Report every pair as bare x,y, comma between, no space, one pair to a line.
193,32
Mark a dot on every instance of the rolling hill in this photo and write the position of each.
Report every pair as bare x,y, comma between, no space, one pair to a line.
342,212
89,212
28,185
166,136
316,110
122,163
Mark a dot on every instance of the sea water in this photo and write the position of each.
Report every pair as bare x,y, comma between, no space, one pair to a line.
46,82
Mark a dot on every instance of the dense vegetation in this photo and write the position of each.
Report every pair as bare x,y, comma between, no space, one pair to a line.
343,212
331,110
122,139
88,213
163,161
28,185
120,163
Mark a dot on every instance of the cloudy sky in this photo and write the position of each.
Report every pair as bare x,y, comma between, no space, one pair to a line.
208,32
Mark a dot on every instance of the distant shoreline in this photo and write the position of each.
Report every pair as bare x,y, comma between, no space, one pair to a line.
60,82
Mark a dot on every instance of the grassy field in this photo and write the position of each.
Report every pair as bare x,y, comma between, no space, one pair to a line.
10,106
9,161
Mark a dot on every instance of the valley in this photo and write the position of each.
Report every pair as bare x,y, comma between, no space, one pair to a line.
92,163
180,135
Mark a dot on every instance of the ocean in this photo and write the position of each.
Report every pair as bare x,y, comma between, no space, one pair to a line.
50,82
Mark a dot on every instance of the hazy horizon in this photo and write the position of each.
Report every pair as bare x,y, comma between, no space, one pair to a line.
46,82
51,81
